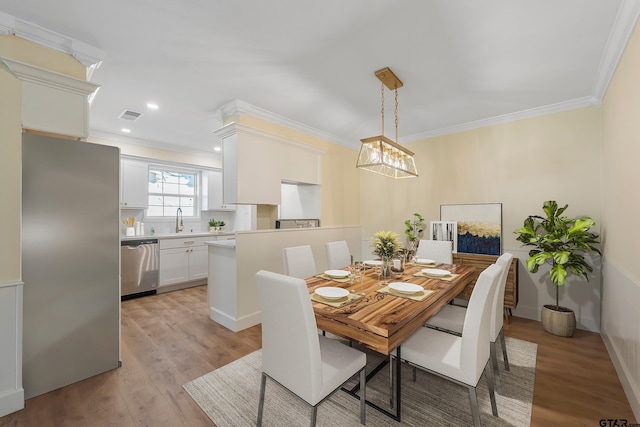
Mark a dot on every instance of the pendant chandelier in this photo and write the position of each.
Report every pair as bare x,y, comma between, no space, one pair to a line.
381,155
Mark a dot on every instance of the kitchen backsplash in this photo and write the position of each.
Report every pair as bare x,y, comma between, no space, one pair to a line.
166,226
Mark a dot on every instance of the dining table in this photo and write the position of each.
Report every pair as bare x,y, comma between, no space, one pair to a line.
381,318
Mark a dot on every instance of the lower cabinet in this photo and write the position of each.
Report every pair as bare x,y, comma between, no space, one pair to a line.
183,260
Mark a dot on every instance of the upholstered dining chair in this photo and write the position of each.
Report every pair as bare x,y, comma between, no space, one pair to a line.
338,255
308,365
298,261
460,359
451,319
437,250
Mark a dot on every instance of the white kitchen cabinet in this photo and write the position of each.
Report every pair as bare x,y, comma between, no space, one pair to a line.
212,193
134,191
183,260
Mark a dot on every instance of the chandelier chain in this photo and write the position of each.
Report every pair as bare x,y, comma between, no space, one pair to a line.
396,114
382,106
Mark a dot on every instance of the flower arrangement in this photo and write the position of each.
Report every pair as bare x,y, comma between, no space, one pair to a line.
385,244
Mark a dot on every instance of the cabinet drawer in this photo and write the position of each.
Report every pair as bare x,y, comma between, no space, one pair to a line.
184,242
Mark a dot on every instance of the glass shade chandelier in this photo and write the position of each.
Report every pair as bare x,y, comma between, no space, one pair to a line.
381,155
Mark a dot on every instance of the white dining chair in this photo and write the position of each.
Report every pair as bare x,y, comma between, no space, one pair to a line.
293,355
460,359
338,255
437,250
451,319
298,261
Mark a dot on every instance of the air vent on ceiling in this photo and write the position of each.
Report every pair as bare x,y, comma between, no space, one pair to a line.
129,115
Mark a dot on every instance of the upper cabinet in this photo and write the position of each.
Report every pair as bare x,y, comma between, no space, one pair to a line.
212,192
134,192
255,162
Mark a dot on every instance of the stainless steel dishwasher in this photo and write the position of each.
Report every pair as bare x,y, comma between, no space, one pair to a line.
139,261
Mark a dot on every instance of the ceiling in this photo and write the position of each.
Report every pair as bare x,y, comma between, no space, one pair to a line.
311,65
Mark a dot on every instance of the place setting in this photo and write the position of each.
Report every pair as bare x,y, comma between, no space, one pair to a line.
340,276
436,273
334,296
406,290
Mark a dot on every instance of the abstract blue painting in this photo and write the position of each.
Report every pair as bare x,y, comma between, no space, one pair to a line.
479,226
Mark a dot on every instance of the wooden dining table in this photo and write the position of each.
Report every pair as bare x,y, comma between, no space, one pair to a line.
381,321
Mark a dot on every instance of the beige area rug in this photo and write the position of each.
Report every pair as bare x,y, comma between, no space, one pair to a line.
229,396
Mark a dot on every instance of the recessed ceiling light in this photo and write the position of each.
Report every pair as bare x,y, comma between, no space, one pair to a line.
217,148
152,106
125,130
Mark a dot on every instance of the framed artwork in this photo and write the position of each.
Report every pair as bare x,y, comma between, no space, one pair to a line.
479,227
445,230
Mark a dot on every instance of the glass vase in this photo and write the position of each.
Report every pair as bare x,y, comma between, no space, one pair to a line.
386,267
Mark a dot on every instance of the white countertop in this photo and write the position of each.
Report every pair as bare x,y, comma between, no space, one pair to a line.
177,235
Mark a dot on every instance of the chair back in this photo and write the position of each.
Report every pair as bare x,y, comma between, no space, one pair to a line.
338,255
290,343
298,261
475,335
497,313
437,250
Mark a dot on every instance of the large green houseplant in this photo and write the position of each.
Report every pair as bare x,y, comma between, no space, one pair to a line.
414,228
561,242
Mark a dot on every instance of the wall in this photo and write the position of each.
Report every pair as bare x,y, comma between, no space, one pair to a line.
11,392
620,210
519,164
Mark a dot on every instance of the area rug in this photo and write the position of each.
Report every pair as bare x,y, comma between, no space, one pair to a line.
229,396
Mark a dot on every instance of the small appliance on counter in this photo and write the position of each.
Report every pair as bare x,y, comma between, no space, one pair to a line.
297,223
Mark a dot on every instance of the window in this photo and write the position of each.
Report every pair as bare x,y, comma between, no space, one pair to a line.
170,189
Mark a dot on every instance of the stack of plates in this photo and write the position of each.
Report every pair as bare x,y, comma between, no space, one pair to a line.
372,262
436,272
332,293
337,274
425,261
405,288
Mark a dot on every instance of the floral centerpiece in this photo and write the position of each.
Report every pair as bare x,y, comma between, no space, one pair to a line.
385,244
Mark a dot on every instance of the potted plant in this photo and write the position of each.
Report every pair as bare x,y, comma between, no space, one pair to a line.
215,225
414,230
385,244
561,242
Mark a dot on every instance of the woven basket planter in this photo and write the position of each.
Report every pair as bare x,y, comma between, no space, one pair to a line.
561,322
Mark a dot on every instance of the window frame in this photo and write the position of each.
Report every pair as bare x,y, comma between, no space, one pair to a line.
197,194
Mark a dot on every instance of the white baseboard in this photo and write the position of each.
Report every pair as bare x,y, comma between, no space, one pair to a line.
11,401
630,389
232,323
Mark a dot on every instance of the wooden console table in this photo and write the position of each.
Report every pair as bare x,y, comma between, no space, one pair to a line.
480,262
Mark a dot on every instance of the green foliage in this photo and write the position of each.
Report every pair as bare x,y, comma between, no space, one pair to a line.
214,223
385,244
414,227
559,241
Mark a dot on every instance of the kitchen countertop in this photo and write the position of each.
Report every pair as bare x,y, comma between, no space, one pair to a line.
177,235
230,244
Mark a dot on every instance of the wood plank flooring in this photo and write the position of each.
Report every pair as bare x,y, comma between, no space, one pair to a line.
168,340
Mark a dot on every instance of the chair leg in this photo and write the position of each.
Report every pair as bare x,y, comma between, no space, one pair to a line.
492,394
415,370
391,381
314,415
494,365
363,395
504,350
474,406
263,383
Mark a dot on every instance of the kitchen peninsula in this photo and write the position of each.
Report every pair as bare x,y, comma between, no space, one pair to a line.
232,294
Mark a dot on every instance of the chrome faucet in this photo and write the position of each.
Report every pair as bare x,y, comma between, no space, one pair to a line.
179,224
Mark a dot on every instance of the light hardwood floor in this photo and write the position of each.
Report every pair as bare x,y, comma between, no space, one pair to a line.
168,340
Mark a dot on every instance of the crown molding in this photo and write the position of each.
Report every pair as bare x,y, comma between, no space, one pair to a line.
41,76
87,55
525,114
621,31
239,107
233,128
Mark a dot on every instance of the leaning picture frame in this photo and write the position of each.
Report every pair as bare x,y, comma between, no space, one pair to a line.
479,227
444,230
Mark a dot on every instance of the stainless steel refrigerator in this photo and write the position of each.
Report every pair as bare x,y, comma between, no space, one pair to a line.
70,261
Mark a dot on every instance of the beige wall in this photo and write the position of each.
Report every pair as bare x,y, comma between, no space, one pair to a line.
620,211
519,164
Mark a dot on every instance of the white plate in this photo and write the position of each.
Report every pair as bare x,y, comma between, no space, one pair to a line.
330,292
372,262
338,274
425,261
436,272
405,288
